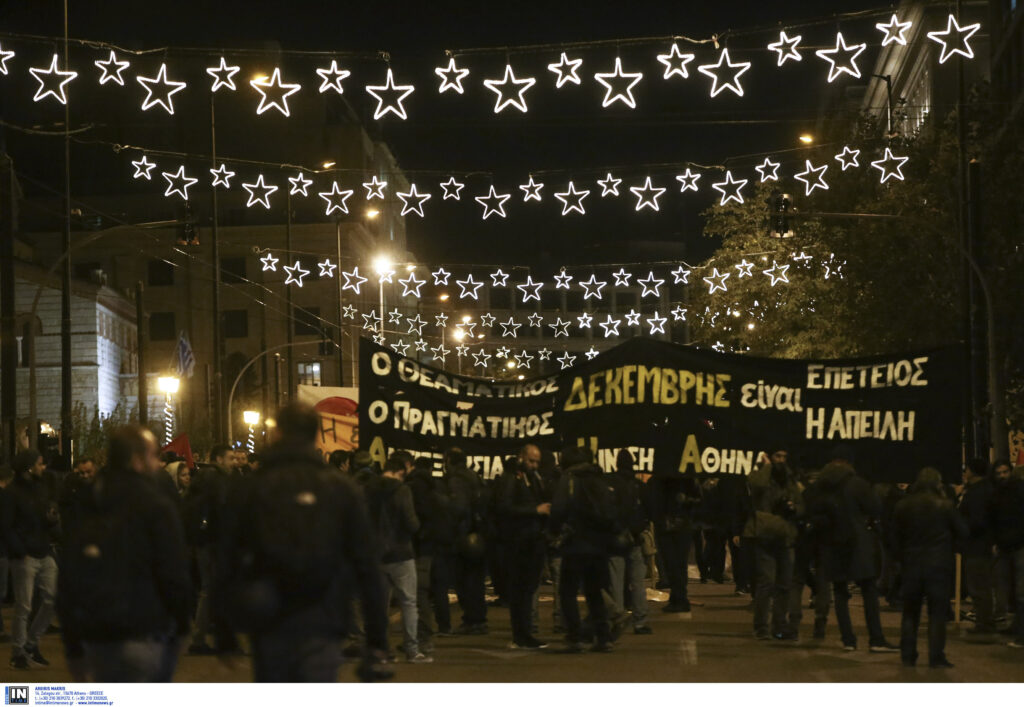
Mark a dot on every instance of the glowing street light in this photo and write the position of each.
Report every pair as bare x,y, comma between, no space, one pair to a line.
251,418
806,139
459,334
168,385
382,264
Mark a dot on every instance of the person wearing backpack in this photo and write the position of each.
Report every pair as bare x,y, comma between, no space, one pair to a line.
466,490
124,596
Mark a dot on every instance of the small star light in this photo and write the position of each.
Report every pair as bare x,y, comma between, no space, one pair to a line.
332,77
566,69
295,274
890,166
514,95
802,258
584,320
487,320
327,268
416,324
510,328
441,276
848,157
560,328
619,85
394,316
374,188
481,358
745,267
349,311
264,189
411,285
591,353
7,54
299,184
401,348
960,45
688,180
499,278
143,168
502,352
269,262
777,273
818,174
895,31
493,202
716,281
178,182
544,354
530,285
846,64
562,281
420,345
622,277
768,170
647,195
632,317
222,176
336,199
412,196
681,276
679,314
353,280
274,93
223,75
469,287
531,190
576,197
111,69
610,326
439,352
159,90
736,70
675,62
462,351
379,339
609,185
370,320
657,323
52,81
592,287
730,189
451,77
786,48
389,97
567,360
441,320
452,188
652,285
535,319
523,359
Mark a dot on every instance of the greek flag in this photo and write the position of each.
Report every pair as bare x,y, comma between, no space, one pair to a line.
186,361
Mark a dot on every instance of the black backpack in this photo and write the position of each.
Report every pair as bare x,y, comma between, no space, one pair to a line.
830,515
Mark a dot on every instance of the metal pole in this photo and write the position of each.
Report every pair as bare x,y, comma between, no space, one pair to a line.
341,357
67,431
140,335
289,320
971,437
218,373
8,342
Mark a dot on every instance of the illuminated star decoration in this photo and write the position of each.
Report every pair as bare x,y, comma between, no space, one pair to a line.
159,90
544,354
274,93
960,46
845,64
440,352
584,320
657,323
535,319
777,273
716,281
295,274
111,69
514,95
326,268
510,328
523,359
385,276
389,97
452,188
415,324
178,182
379,339
412,196
562,281
451,77
576,197
675,62
730,189
394,316
610,326
652,285
493,202
592,287
299,184
349,312
647,195
560,328
374,188
632,317
468,327
679,314
786,48
591,353
531,190
336,198
567,360
370,320
52,81
487,320
420,345
401,348
619,85
528,285
4,56
462,351
481,358
890,166
500,278
223,75
469,287
440,320
269,262
819,177
441,276
222,176
411,285
688,181
768,170
264,189
143,168
609,185
681,276
803,257
332,78
848,157
895,31
566,69
737,70
353,280
744,267
622,277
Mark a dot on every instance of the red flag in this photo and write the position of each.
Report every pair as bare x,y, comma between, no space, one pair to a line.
180,446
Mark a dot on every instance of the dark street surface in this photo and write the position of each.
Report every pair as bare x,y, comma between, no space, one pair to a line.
714,645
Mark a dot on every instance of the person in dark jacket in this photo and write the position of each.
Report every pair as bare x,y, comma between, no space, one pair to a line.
673,500
1007,516
926,526
626,565
466,489
31,528
6,475
125,596
979,562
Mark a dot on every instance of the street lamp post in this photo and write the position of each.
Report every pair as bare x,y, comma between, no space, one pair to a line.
168,385
381,265
251,418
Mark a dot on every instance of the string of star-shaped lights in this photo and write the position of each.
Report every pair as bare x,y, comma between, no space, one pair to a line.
223,76
716,281
493,202
675,62
572,199
52,81
768,170
818,174
451,77
143,168
777,273
724,65
374,188
688,180
510,91
609,185
274,92
530,285
300,183
647,195
390,96
730,189
5,56
327,268
531,190
178,182
619,85
412,201
955,45
259,192
110,68
848,157
353,280
842,59
452,189
567,70
331,78
895,31
786,48
295,274
890,166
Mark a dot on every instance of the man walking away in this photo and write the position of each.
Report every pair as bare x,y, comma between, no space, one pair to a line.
926,527
626,564
125,595
466,489
673,500
435,531
1007,513
979,564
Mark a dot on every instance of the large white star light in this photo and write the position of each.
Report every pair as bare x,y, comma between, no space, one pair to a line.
389,97
842,59
895,31
523,359
890,166
52,81
452,189
818,175
143,168
957,45
560,328
566,69
745,268
768,170
269,262
451,77
223,76
681,276
441,276
5,54
299,184
562,280
259,192
469,287
786,48
657,324
530,285
567,360
412,201
619,85
336,199
647,195
353,280
572,200
481,358
416,324
487,320
730,189
777,273
332,76
327,268
159,90
295,274
632,317
493,202
848,158
273,92
652,285
584,320
411,285
592,287
688,180
591,353
510,328
622,277
725,65
111,68
675,62
716,281
178,182
610,326
510,95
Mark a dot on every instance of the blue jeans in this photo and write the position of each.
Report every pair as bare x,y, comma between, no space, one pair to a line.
30,575
138,660
637,568
401,577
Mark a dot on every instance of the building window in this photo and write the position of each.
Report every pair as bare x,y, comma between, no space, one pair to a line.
236,324
307,322
309,373
232,271
161,326
161,273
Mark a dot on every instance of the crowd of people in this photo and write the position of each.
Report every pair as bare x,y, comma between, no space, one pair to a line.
148,556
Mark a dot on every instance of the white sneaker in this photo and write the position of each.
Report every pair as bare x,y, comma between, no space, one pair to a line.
421,658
